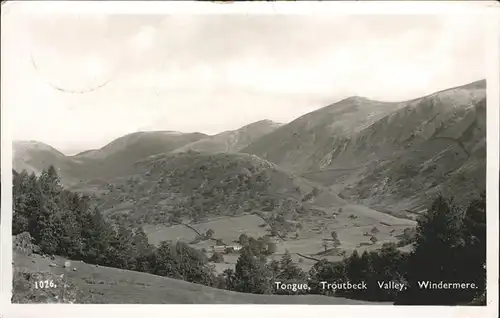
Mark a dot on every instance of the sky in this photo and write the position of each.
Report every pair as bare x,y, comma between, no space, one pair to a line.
211,73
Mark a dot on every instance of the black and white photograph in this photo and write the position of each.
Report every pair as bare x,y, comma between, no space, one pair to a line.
245,158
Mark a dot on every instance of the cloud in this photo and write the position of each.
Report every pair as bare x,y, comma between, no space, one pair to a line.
213,73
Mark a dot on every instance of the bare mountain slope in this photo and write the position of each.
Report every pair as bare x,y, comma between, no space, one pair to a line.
432,144
232,141
301,144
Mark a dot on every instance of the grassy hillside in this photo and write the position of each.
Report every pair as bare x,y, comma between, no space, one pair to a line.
232,141
195,186
140,145
91,284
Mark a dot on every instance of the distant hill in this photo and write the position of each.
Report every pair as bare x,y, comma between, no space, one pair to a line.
141,145
118,156
232,141
34,156
193,186
111,160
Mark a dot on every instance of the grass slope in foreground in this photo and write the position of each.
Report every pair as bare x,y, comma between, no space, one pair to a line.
104,285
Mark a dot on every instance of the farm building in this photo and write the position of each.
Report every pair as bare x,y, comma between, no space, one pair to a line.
225,248
219,248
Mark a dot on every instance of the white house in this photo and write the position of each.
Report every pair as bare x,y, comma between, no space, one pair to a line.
222,248
219,248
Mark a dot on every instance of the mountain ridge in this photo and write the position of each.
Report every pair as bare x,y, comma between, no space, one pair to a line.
348,146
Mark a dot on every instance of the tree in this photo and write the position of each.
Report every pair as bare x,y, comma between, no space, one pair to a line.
474,253
20,198
436,256
219,242
288,273
325,245
330,272
142,250
391,267
251,276
335,240
373,239
274,268
50,182
369,263
216,258
271,247
179,260
354,268
288,269
273,232
243,239
209,233
229,277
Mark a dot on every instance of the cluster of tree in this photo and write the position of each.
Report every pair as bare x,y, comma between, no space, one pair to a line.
388,264
315,191
450,246
254,274
64,223
258,246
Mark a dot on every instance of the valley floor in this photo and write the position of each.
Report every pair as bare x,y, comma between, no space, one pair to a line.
315,229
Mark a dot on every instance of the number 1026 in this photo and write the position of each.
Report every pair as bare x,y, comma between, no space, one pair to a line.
44,284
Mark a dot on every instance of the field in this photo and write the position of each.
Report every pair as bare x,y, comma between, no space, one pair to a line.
350,231
98,284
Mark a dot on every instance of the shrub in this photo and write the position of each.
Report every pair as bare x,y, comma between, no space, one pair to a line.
216,258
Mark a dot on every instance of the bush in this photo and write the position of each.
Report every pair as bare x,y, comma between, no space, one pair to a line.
216,258
23,243
271,247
